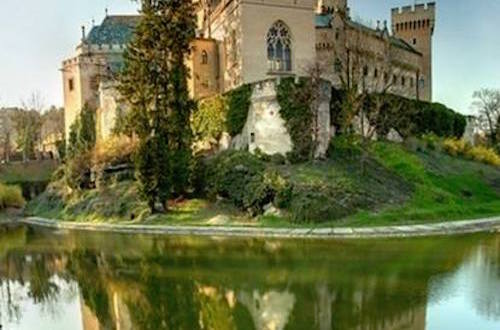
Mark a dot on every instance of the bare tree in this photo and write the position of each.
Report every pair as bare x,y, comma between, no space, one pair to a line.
487,104
28,125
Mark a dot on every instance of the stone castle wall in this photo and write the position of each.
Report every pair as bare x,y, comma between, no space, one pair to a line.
266,130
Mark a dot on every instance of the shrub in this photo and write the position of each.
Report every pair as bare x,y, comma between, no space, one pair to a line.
278,159
208,121
238,105
11,196
114,151
77,171
459,147
456,147
318,203
408,117
242,178
484,155
344,147
431,141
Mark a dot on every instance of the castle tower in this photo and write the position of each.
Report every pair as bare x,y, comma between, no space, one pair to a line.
331,6
415,25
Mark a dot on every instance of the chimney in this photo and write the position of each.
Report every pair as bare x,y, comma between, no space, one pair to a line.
83,33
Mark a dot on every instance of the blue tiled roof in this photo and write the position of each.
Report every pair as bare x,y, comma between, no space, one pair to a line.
323,20
116,30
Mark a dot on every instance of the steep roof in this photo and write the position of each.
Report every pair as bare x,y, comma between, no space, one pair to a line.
116,30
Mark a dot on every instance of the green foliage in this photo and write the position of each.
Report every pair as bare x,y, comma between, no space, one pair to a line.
10,197
408,117
345,147
153,170
238,105
82,134
208,121
82,139
295,108
87,129
459,147
154,85
243,179
61,149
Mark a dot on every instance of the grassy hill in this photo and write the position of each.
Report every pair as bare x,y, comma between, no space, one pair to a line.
392,184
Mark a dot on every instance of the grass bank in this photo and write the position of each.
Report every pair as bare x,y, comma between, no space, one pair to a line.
394,185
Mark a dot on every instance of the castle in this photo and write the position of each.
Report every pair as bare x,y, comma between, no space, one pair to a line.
248,41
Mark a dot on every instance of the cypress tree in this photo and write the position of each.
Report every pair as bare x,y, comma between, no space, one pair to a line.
154,84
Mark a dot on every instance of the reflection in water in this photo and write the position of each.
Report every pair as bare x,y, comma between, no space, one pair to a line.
138,282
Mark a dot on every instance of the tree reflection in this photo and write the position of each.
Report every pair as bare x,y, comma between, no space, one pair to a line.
186,283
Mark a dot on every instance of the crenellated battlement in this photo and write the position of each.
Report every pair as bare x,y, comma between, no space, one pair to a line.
426,9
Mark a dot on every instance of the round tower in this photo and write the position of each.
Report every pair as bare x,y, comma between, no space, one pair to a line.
415,25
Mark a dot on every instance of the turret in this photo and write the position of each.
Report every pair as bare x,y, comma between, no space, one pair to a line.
330,6
415,25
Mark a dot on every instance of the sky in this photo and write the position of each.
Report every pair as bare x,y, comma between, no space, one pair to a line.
36,35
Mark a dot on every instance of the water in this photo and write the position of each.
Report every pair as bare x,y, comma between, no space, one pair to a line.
70,280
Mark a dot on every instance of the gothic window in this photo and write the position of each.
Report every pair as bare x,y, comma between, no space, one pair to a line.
204,57
71,84
279,47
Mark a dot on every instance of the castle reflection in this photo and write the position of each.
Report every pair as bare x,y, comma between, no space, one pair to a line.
139,282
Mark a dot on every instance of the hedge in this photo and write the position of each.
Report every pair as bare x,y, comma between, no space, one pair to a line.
419,118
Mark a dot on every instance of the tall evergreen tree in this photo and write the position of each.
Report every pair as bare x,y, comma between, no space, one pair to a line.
154,84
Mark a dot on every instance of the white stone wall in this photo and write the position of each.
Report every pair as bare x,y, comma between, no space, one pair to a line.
108,110
266,130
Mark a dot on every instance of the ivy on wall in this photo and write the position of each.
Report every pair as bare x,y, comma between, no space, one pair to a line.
238,104
294,100
409,117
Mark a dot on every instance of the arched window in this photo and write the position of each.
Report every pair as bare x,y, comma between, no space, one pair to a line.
204,57
279,47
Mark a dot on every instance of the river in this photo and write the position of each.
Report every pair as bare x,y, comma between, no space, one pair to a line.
74,280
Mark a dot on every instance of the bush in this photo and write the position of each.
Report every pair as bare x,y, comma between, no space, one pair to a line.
238,105
208,122
459,147
114,151
484,155
344,147
316,203
243,179
431,141
456,147
11,196
78,170
407,116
